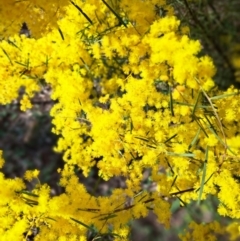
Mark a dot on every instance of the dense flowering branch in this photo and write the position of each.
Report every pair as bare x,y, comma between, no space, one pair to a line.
132,90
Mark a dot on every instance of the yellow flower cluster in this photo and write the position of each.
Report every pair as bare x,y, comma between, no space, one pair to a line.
40,15
133,93
203,232
29,175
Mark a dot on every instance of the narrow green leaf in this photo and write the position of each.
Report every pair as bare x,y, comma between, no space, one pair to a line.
142,198
61,33
13,44
181,192
181,103
115,235
86,66
4,51
81,11
200,125
31,77
191,105
195,105
47,60
25,65
203,176
170,138
209,122
30,201
222,96
29,193
79,101
106,236
174,180
91,210
115,14
169,165
131,125
181,154
138,194
171,102
194,139
28,63
83,224
142,138
206,181
182,203
108,217
51,219
132,155
29,204
151,146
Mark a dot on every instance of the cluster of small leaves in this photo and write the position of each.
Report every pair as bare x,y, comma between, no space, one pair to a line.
131,92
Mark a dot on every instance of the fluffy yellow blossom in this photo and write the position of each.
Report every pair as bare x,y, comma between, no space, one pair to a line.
29,175
234,230
130,91
25,103
211,140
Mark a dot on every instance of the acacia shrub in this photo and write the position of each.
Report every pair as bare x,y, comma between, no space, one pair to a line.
133,91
